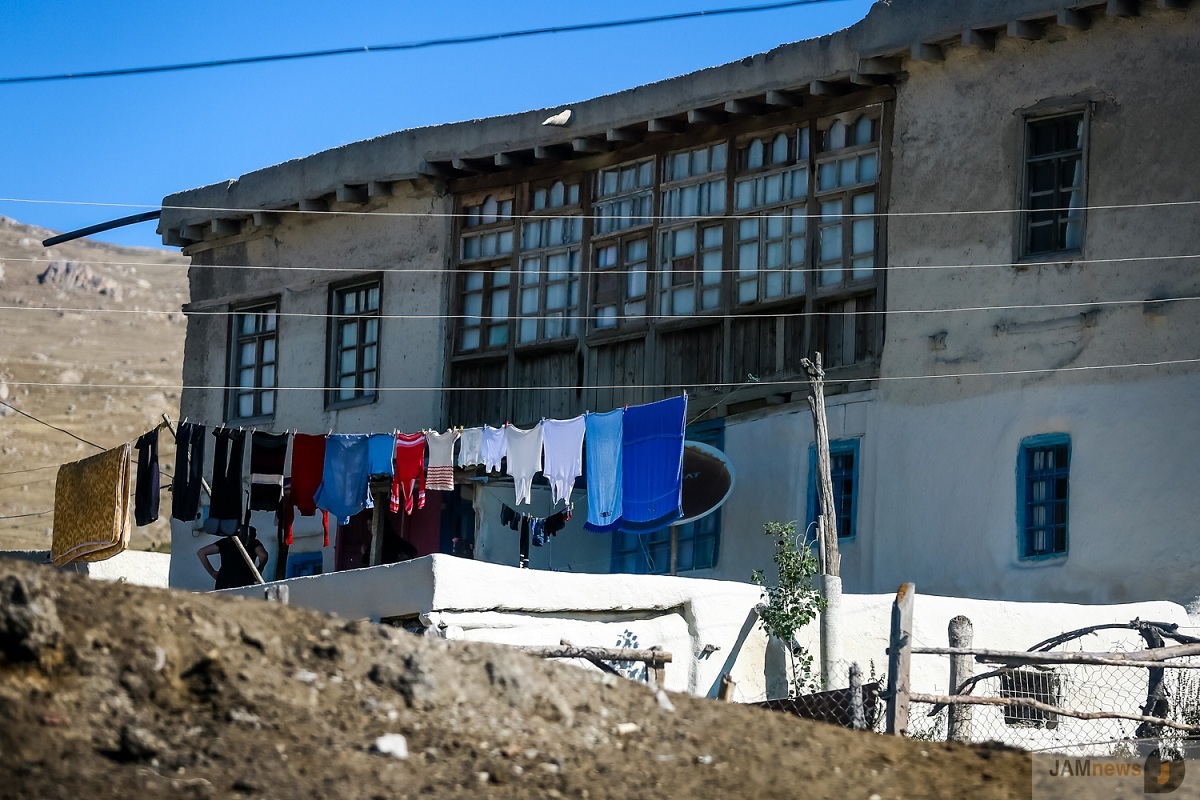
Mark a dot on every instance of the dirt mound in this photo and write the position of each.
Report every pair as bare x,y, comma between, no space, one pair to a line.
110,690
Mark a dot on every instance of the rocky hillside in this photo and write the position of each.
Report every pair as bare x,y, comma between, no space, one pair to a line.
96,346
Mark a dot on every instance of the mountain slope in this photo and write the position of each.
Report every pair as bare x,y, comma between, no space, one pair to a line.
95,346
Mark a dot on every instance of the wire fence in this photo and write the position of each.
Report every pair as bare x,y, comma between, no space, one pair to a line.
1081,688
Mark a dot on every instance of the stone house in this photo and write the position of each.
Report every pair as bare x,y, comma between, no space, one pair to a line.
983,214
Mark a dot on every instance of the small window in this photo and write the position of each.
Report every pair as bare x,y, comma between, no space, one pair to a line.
354,343
1044,687
1053,196
843,469
1043,491
252,361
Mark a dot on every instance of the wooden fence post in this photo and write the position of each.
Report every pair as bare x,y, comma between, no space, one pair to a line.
960,634
899,657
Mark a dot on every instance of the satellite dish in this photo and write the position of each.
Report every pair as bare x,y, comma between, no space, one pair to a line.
707,481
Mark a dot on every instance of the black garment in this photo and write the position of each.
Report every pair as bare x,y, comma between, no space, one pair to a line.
556,522
234,570
145,496
268,451
524,541
226,511
189,471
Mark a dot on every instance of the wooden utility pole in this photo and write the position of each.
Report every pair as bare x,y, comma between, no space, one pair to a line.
831,559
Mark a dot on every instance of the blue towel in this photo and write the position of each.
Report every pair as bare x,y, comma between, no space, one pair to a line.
382,450
344,489
602,434
653,465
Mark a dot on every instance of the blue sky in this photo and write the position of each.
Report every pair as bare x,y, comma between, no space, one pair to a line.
135,139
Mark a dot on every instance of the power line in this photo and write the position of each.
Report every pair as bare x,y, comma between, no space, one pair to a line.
469,270
418,45
31,469
590,317
596,387
50,425
34,514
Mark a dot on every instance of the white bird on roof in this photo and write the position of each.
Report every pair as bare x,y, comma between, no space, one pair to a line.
561,119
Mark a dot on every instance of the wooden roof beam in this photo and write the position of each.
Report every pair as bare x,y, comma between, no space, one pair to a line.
1026,29
314,204
623,135
1074,19
744,107
378,189
922,51
193,233
226,227
824,89
878,66
355,193
436,169
981,39
861,79
664,125
1123,8
552,152
266,219
784,99
705,116
586,145
474,165
517,158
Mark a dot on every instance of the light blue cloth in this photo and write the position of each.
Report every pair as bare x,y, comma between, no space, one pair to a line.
382,453
344,489
653,465
605,487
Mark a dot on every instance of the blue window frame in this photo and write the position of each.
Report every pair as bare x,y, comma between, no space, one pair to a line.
698,542
300,564
843,468
1043,495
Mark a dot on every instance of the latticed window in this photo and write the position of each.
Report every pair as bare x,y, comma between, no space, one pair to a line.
1054,184
621,282
484,283
548,299
772,248
1044,471
624,197
354,343
690,250
252,361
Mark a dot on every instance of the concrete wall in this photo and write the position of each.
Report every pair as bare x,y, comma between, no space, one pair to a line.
138,567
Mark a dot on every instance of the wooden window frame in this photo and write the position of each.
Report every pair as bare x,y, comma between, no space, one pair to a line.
1027,476
260,389
361,393
1028,121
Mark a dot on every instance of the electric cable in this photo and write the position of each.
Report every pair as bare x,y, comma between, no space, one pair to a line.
597,387
417,45
50,425
480,270
681,218
589,317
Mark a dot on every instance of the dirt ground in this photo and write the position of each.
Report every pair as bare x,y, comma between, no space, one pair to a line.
112,690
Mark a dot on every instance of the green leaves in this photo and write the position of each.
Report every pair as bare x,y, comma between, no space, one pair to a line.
792,602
